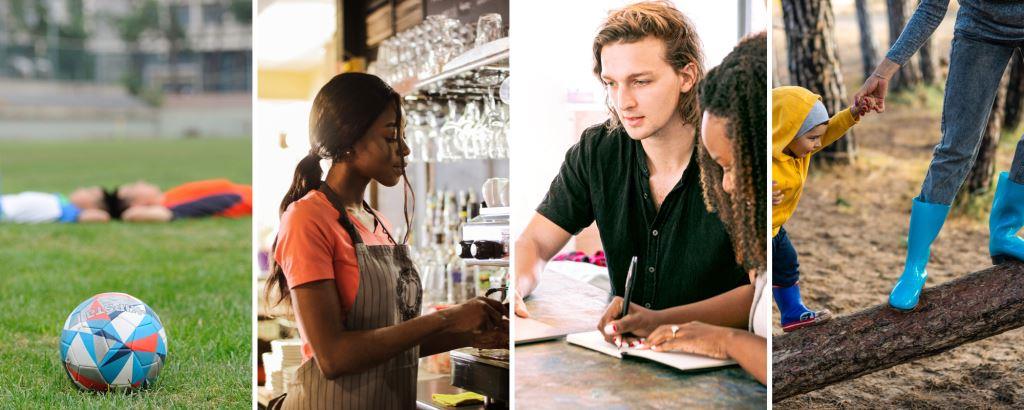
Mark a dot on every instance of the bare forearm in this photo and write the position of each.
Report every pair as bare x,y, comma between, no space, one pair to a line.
886,69
750,351
359,350
529,265
440,343
154,213
729,309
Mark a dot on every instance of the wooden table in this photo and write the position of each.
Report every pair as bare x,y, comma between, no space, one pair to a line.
554,374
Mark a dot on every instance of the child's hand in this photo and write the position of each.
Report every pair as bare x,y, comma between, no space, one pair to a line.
867,104
776,194
860,107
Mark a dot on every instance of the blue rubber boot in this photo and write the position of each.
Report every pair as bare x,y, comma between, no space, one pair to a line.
791,307
925,223
1006,218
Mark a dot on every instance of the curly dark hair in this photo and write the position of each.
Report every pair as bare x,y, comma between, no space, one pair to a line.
737,91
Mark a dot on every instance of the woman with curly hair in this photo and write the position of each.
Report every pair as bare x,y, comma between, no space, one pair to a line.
732,159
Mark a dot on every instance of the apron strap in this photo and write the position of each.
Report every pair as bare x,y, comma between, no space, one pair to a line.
343,219
377,220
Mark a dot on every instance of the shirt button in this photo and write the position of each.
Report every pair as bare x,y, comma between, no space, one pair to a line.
647,305
650,269
654,232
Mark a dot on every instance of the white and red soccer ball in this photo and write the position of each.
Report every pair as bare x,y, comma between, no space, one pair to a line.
113,341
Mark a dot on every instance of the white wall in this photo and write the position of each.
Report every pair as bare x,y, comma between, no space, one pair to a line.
547,67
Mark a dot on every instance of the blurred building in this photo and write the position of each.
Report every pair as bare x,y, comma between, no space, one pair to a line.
131,68
182,46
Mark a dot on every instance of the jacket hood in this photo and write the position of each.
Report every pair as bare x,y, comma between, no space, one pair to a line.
790,106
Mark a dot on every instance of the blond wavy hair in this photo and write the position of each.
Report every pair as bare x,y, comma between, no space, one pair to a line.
661,20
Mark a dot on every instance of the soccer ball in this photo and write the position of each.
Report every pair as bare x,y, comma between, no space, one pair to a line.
113,341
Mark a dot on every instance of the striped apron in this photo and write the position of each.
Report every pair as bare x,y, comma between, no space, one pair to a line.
389,293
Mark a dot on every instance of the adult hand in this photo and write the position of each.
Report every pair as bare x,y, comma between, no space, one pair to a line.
496,338
776,194
520,306
693,337
475,315
877,85
638,323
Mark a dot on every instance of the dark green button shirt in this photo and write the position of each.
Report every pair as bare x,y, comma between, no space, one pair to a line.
683,252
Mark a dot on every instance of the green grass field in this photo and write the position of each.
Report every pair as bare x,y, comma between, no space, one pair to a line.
194,274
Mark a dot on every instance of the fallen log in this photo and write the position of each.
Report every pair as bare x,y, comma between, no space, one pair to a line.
971,308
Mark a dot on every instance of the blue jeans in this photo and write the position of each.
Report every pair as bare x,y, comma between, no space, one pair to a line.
785,267
975,69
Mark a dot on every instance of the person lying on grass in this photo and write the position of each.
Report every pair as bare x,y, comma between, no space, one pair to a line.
32,207
800,128
142,201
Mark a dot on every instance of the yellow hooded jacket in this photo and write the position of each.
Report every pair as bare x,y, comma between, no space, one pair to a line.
790,106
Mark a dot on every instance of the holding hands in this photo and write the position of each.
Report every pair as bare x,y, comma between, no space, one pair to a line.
876,87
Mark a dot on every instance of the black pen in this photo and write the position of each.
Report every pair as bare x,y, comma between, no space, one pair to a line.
629,288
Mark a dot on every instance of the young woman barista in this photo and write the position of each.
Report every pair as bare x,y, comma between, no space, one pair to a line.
355,292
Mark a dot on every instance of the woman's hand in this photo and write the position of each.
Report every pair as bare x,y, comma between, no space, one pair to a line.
475,315
693,337
496,338
877,85
639,322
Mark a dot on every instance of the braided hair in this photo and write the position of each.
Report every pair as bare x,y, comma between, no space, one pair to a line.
736,90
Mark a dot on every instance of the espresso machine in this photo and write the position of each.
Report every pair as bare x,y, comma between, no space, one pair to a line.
485,242
485,238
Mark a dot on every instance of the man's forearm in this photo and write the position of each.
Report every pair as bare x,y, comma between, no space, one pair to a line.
529,265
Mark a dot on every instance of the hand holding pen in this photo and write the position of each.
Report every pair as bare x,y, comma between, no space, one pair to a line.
625,323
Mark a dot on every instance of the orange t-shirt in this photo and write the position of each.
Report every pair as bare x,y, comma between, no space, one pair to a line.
312,246
211,197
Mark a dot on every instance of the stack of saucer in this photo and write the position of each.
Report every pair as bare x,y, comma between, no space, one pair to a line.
287,355
272,368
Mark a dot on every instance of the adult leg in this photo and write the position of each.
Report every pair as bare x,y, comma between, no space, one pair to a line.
974,73
975,69
1007,216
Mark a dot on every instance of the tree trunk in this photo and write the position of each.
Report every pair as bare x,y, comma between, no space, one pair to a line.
814,63
976,306
869,56
909,74
1014,93
979,180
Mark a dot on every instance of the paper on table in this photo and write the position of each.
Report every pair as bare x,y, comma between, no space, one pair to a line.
682,361
529,331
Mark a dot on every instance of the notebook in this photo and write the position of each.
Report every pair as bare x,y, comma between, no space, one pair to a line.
682,361
530,331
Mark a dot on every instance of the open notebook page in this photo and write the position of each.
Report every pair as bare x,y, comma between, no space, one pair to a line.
682,361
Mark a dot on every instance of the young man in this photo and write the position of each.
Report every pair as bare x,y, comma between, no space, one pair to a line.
635,175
